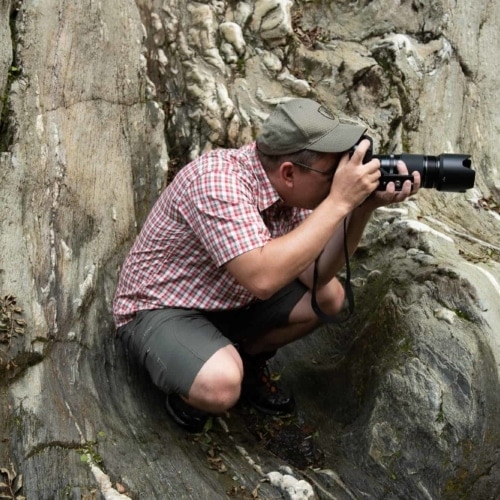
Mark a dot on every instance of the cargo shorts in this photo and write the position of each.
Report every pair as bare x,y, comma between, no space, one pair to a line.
172,344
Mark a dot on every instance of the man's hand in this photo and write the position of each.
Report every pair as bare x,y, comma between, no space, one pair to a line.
354,181
390,195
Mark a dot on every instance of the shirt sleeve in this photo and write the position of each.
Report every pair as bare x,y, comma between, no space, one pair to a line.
222,212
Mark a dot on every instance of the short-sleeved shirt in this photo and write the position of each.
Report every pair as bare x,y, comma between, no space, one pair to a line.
216,208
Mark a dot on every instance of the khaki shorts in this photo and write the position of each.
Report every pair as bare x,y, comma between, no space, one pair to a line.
173,344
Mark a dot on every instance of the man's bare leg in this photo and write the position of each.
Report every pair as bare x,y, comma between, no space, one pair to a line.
217,385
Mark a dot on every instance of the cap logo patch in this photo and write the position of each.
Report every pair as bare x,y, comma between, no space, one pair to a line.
326,112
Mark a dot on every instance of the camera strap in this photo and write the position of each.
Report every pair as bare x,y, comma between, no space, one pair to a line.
328,318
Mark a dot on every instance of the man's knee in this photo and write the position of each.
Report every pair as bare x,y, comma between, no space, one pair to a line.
217,385
331,297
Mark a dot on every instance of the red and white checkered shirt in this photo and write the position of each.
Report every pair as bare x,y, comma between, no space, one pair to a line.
217,207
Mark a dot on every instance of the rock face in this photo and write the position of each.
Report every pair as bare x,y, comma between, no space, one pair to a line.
102,102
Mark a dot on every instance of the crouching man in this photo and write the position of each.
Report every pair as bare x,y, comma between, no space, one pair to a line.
221,274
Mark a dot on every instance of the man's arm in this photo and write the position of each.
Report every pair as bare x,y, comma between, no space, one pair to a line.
266,270
333,258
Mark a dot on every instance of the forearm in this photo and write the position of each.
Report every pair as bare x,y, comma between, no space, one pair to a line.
278,262
267,269
333,256
332,259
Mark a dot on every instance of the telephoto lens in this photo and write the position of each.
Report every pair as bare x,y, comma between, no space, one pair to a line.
446,172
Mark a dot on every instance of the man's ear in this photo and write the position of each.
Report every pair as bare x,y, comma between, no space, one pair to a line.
286,172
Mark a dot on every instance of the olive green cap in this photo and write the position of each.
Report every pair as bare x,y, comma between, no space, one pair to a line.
306,124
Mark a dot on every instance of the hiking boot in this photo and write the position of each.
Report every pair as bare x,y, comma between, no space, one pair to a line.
260,390
189,418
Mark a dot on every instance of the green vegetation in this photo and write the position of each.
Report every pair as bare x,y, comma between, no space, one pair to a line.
89,453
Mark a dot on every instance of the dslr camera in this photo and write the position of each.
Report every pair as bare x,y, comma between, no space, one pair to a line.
446,172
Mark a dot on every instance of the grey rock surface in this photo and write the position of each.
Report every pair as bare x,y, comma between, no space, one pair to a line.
106,102
5,51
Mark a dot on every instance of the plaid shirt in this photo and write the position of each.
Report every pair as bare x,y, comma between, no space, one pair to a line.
217,207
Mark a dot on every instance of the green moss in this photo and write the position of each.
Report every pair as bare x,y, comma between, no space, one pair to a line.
384,342
89,453
241,69
462,314
454,488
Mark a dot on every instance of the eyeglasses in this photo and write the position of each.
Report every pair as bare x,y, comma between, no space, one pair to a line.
328,173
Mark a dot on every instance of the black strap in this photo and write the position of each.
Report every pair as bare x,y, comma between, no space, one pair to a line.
327,318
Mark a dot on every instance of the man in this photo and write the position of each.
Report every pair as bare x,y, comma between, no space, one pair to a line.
221,274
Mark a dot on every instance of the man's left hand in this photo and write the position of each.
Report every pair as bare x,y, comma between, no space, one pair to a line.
390,195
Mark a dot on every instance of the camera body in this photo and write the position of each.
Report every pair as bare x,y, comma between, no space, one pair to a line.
446,172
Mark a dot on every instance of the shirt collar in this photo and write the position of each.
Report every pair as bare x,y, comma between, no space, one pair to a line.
265,193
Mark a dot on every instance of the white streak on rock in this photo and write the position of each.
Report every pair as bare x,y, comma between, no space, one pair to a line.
295,488
88,283
232,34
445,315
202,34
420,227
272,19
250,460
105,486
66,251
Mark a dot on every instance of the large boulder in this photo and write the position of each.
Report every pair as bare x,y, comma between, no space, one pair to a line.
101,103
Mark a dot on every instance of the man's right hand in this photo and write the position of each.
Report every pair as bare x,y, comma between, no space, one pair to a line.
354,180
